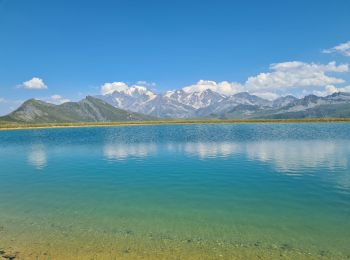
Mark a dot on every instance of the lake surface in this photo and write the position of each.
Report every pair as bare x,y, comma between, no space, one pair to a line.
231,191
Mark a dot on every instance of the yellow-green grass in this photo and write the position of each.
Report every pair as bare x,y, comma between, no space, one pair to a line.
13,126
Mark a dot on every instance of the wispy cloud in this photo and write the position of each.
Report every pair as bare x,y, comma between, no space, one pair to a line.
6,105
57,99
343,48
145,83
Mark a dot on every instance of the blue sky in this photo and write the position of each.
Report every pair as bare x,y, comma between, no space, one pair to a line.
72,48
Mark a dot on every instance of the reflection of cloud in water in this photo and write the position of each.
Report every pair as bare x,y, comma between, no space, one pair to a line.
299,155
290,156
207,150
122,151
37,156
284,155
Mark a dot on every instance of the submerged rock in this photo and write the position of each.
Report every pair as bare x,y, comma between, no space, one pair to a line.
9,256
126,250
286,246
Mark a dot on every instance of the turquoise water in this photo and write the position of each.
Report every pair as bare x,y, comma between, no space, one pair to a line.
266,186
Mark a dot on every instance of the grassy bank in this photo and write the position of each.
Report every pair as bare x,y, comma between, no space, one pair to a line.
13,126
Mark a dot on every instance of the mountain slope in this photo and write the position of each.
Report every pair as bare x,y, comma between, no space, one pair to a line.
89,109
311,106
196,100
235,103
142,100
179,103
341,110
210,104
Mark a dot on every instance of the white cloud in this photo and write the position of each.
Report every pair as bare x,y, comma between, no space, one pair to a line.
343,49
282,77
267,95
34,83
2,100
224,87
109,88
330,89
57,99
295,74
344,89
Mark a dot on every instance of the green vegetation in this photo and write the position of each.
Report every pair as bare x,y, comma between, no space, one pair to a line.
11,125
87,110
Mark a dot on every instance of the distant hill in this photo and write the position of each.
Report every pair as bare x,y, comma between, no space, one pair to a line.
89,109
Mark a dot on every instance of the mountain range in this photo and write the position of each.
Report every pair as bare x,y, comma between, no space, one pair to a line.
141,104
209,104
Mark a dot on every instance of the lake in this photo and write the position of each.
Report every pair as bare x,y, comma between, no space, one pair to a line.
221,191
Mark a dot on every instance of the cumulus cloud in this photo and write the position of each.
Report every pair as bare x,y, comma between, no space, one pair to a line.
343,48
34,83
295,74
57,99
224,87
329,90
109,88
344,89
143,88
282,76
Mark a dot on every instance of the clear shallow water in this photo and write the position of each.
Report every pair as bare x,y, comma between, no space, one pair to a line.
185,191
